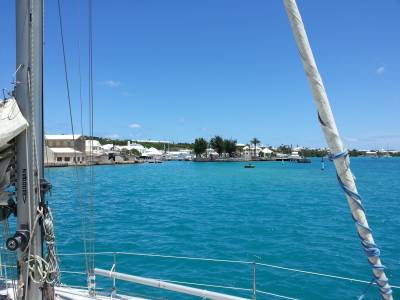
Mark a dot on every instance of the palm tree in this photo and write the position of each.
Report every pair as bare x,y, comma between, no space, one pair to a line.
255,141
217,143
200,146
230,147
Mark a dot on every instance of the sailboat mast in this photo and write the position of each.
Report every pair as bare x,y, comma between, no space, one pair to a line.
339,154
29,95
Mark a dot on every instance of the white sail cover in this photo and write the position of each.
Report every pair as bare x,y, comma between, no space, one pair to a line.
12,122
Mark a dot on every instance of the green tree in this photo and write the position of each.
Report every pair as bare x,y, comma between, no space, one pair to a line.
285,149
135,152
200,146
230,147
217,143
255,141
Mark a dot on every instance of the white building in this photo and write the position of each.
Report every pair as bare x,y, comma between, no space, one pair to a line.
294,155
249,151
111,147
371,153
152,153
184,154
76,141
93,146
133,146
211,152
64,149
63,156
267,152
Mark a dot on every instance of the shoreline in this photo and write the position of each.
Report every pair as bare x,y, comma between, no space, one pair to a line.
63,165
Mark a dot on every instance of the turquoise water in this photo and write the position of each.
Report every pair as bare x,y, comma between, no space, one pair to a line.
292,215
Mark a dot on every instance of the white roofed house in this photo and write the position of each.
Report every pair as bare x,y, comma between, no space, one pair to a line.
64,149
266,152
133,146
76,141
211,153
95,152
63,156
111,148
152,153
248,151
93,146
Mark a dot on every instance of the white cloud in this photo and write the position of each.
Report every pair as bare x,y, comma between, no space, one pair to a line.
112,83
380,70
135,125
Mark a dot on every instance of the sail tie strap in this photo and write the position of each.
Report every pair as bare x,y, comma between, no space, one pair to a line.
370,249
344,154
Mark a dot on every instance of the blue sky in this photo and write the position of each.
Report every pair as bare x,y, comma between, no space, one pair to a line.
177,70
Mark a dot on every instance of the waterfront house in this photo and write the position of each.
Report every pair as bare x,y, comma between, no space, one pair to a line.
371,153
183,154
93,146
152,153
64,149
111,148
63,156
248,151
211,153
266,152
76,141
133,146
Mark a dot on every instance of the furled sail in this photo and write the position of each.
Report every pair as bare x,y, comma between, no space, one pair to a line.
12,122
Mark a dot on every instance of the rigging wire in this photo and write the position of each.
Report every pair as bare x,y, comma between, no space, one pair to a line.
91,133
66,72
79,65
80,197
219,260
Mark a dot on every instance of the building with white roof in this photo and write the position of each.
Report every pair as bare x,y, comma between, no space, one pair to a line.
93,146
76,141
267,151
110,147
133,146
248,151
63,156
64,149
152,153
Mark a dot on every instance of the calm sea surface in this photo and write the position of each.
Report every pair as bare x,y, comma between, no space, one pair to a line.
291,215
